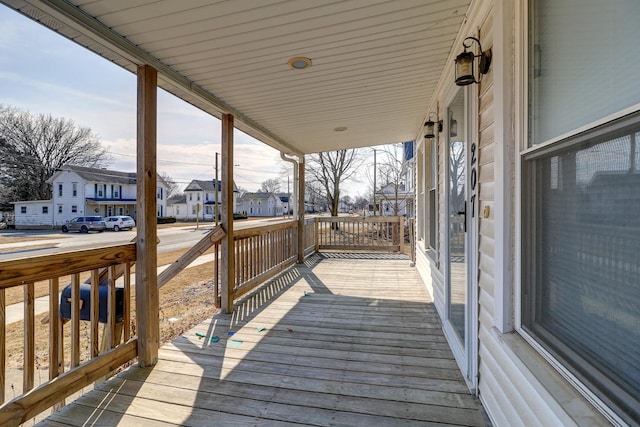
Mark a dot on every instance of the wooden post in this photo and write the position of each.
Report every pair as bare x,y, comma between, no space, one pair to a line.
227,251
147,301
300,201
316,234
3,344
401,234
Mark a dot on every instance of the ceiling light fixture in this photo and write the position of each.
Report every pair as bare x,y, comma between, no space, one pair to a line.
340,128
299,63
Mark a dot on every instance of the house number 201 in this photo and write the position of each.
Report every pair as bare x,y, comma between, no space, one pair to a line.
474,179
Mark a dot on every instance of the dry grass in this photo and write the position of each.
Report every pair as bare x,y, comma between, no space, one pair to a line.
26,248
8,238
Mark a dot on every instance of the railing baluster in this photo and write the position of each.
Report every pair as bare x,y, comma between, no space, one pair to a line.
75,320
29,338
111,310
54,326
95,305
126,320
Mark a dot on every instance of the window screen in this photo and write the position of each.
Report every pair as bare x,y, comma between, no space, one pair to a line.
583,233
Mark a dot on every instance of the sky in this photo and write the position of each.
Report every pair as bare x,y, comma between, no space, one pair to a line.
45,73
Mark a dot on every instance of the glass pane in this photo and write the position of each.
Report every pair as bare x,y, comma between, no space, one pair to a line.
584,281
584,55
457,208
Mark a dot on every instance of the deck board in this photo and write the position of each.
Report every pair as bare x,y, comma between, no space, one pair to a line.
348,341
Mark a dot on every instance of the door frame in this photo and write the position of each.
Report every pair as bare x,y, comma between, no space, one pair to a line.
465,353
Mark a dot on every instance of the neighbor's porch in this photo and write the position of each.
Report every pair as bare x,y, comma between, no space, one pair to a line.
343,339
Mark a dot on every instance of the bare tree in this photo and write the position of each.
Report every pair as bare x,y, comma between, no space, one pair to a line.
330,169
33,147
360,202
271,186
456,175
314,195
172,186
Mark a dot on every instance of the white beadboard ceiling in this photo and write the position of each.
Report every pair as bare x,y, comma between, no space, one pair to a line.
376,63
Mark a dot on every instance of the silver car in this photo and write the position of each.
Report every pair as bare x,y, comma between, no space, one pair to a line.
119,222
85,224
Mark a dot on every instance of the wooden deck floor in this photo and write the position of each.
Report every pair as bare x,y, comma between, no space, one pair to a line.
363,347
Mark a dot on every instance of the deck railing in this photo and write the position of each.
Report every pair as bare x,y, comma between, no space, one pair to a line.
376,233
260,253
100,267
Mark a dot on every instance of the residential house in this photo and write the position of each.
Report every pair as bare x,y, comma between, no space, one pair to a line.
201,200
260,204
287,203
177,207
33,215
394,199
78,191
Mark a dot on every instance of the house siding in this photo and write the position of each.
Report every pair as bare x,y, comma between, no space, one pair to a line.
33,218
516,383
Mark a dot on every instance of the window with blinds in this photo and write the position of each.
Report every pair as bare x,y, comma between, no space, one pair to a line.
581,195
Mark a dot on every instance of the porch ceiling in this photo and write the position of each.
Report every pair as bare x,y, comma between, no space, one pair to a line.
376,63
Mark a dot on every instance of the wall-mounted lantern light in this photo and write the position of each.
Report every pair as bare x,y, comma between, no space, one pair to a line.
465,63
429,127
453,125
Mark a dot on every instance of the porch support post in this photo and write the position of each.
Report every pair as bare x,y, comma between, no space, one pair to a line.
147,300
300,210
227,253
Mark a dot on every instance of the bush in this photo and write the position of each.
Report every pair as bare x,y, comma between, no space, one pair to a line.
239,216
166,219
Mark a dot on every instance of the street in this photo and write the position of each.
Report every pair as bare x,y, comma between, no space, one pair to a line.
171,239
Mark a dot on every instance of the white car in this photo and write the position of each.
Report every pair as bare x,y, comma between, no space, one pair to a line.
117,223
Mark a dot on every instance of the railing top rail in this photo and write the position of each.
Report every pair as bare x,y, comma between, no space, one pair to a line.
256,231
42,267
369,219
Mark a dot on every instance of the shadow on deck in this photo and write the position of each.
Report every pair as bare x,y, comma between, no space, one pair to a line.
343,340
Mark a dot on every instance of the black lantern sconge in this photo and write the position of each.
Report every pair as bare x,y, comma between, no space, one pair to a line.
466,64
453,125
429,127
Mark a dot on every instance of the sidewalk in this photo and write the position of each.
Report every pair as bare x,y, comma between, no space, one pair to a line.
15,312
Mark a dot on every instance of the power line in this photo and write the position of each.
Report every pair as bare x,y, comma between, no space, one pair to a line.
196,164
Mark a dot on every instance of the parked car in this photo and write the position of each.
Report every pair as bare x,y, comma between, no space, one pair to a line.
120,222
85,224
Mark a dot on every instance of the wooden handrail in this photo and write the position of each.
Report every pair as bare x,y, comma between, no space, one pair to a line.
264,229
210,239
33,269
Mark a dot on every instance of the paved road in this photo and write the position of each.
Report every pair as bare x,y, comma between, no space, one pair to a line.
171,239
